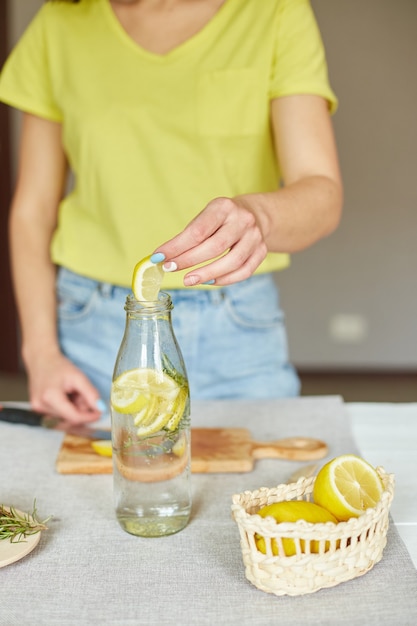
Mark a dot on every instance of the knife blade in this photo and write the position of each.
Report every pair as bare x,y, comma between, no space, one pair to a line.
29,417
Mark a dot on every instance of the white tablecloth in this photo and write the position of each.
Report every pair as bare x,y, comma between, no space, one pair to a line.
87,571
387,435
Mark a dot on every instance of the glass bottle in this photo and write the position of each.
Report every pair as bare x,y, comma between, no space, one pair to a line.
150,411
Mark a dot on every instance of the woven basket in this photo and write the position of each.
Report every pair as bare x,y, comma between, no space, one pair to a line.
345,550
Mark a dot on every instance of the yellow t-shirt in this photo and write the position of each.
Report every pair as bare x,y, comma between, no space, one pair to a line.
151,139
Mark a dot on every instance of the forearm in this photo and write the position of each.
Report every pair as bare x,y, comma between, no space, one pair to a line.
296,216
34,285
248,226
56,386
33,218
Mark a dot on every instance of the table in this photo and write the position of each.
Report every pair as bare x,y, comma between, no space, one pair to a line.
386,434
87,571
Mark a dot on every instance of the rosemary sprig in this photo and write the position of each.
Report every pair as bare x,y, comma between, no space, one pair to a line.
16,526
169,369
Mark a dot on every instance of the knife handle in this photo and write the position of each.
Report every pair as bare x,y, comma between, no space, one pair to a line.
14,415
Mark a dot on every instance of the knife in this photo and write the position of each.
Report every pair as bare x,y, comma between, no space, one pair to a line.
29,417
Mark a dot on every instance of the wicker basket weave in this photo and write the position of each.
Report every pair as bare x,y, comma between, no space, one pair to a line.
345,550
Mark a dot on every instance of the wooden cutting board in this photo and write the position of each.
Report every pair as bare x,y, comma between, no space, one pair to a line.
212,450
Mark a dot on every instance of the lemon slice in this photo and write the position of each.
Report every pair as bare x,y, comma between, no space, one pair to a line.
145,380
180,446
144,416
127,399
178,409
147,280
103,448
157,399
347,486
154,426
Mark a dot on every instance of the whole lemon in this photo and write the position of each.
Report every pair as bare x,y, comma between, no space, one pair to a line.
292,511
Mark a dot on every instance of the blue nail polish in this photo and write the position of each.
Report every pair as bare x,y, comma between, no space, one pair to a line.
101,405
210,282
157,257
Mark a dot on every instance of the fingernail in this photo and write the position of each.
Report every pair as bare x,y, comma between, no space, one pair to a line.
101,405
190,281
171,266
157,257
209,282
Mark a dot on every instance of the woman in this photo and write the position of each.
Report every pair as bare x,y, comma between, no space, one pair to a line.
178,120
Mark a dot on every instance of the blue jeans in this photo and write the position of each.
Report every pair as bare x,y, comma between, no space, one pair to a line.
233,339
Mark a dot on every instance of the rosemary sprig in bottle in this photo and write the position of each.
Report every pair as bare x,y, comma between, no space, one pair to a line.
15,526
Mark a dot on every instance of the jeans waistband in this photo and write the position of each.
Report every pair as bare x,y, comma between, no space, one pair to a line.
211,294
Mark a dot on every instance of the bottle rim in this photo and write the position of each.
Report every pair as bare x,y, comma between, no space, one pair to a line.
162,305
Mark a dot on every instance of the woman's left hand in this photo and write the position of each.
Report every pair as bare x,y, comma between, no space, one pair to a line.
225,237
232,236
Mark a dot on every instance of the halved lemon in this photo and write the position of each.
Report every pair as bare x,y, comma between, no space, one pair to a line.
147,280
103,448
347,486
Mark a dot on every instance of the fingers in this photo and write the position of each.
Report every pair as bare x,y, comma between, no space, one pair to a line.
63,391
224,239
61,405
237,264
203,226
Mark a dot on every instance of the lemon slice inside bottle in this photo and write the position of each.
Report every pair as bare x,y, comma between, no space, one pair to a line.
128,400
153,398
178,409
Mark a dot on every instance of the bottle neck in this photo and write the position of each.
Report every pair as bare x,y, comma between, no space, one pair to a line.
136,309
149,340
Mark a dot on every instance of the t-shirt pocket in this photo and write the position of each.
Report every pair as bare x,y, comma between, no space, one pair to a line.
230,102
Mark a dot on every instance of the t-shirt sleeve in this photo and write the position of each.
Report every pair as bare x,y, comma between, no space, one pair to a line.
25,81
300,65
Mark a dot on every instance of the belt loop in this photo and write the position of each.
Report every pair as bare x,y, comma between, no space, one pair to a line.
217,296
106,290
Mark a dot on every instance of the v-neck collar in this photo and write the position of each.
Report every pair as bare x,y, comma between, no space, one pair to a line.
184,47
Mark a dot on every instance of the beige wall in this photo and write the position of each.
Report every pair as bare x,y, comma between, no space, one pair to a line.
367,269
351,301
20,13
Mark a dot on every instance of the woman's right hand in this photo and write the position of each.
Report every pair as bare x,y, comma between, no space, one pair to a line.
58,388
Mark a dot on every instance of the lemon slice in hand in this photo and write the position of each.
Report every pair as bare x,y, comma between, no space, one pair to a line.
147,280
347,486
